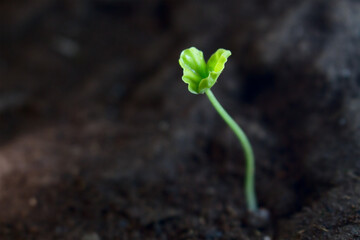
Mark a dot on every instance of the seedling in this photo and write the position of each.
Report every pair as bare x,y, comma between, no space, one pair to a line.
200,77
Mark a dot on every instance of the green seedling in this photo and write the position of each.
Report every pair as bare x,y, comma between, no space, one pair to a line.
200,77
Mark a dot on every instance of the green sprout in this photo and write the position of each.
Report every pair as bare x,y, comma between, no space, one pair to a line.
200,77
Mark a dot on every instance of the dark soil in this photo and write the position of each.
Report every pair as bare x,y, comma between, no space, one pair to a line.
100,139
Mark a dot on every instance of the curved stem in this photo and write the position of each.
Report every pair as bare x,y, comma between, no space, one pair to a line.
248,152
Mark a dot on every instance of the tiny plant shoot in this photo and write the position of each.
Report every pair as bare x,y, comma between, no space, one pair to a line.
200,77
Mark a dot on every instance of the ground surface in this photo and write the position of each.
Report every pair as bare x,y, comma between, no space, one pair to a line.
101,140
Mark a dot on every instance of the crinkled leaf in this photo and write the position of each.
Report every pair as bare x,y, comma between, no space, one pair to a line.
217,61
193,63
199,75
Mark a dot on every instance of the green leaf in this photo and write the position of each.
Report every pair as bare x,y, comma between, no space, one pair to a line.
193,62
196,73
217,61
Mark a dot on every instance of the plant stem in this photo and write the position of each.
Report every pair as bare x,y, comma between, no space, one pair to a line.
248,152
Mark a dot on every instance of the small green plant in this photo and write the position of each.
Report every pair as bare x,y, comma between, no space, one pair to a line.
200,77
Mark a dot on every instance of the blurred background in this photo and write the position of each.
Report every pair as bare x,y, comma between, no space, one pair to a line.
100,139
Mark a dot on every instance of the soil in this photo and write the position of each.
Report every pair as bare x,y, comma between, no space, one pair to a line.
100,139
